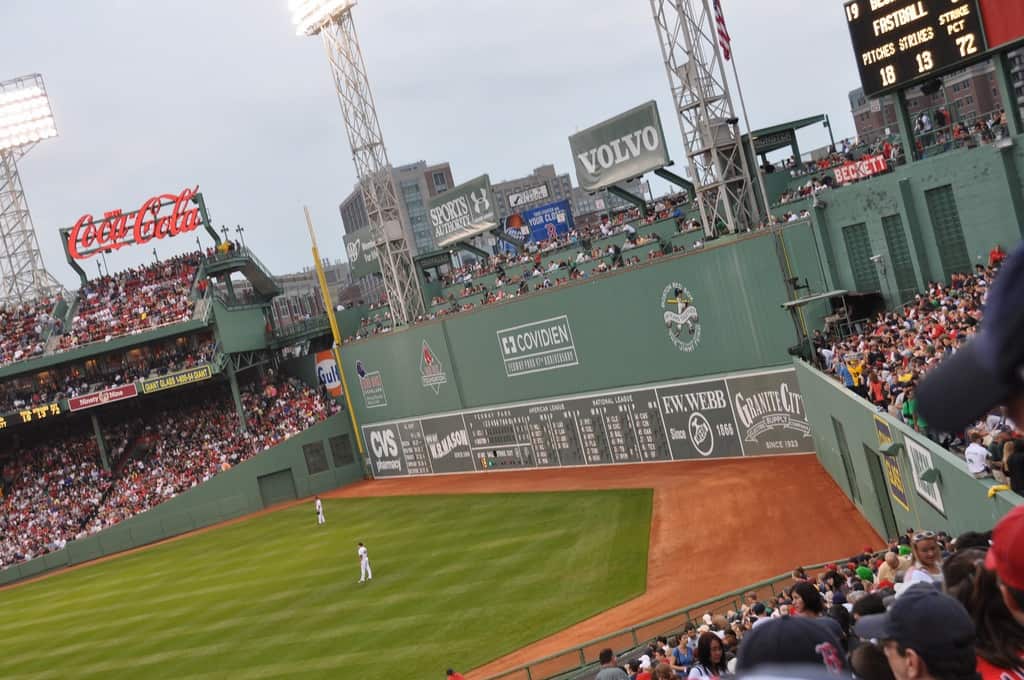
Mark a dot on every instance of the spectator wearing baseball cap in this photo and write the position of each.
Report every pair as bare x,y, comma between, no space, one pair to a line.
1006,560
926,634
988,370
790,645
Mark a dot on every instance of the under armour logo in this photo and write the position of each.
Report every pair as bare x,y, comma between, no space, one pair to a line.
481,203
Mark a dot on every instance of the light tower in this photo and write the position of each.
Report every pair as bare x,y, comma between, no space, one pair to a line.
25,119
689,35
332,20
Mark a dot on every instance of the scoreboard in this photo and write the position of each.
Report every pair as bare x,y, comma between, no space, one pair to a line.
743,415
900,42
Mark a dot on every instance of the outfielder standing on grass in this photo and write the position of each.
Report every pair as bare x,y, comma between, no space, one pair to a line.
319,511
364,564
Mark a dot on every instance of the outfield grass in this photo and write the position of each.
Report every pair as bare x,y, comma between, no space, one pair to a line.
458,581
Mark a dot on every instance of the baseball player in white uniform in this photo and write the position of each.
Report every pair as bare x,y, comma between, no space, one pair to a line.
364,564
319,511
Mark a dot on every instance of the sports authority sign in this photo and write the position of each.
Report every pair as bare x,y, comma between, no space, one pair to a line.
751,414
869,166
463,211
620,148
159,217
107,396
539,346
362,253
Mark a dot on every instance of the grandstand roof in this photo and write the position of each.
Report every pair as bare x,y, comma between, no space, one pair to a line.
781,128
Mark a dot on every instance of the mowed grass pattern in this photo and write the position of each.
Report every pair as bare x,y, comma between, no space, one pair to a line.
458,581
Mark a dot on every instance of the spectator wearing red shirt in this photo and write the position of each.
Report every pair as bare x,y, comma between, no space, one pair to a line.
996,256
452,675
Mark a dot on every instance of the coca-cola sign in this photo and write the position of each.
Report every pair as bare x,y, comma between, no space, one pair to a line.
103,397
159,217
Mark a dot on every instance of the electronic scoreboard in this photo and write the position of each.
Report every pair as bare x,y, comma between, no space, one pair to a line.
900,42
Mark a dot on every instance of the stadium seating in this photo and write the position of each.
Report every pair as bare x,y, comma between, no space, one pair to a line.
57,491
133,301
24,328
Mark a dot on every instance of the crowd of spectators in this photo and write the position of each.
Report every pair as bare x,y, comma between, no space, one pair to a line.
886,360
928,606
111,370
58,491
939,131
133,301
24,329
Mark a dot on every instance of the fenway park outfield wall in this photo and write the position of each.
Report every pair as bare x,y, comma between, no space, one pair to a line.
317,460
849,436
708,312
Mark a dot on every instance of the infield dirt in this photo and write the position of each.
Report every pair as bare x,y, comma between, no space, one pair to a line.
716,526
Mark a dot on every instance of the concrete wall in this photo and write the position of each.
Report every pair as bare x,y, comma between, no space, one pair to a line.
848,432
228,495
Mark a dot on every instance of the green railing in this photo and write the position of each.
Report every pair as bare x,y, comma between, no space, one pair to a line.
582,659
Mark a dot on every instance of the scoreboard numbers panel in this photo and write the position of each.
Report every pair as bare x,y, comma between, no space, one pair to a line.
900,42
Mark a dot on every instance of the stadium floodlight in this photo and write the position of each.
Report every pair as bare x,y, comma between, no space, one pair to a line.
25,119
25,114
332,21
309,16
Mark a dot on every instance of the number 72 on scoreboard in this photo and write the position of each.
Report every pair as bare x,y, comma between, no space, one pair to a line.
898,42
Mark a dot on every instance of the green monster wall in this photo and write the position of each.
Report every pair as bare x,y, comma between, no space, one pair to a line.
604,333
293,469
849,435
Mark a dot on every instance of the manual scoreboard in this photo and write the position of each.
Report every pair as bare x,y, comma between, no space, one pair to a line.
900,42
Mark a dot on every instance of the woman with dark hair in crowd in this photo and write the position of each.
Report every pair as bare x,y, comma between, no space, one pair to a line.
710,657
807,600
1000,641
841,615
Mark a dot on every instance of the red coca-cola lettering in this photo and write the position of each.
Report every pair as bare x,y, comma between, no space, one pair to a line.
88,237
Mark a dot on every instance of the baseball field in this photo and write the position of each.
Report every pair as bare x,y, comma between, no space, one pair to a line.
458,581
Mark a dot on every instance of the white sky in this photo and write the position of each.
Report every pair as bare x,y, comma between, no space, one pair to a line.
152,96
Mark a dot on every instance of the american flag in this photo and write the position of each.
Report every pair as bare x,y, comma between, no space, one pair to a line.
723,33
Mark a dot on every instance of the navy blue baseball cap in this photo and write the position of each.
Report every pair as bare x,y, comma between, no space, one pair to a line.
989,369
913,622
793,641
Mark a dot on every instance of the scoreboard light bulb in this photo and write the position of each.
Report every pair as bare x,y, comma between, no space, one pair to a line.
309,16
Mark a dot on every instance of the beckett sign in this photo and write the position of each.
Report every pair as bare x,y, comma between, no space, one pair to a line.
620,148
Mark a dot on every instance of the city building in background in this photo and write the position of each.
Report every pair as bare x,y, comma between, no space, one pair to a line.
416,183
543,185
966,95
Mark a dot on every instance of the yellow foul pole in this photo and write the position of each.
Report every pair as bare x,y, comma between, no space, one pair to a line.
335,332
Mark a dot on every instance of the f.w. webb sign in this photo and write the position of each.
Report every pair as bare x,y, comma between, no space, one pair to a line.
620,148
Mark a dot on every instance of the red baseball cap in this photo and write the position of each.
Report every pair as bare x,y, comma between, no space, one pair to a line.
1006,557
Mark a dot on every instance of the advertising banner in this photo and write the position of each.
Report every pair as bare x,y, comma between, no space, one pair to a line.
749,415
463,211
868,166
770,414
548,221
535,347
620,148
362,253
893,476
921,462
103,397
177,379
699,420
327,372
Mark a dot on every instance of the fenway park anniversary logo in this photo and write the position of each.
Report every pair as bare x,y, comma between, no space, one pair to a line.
681,318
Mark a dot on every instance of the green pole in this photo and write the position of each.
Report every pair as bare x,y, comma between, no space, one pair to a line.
237,395
100,441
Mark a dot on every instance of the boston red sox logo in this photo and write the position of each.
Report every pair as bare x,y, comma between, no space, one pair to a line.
431,369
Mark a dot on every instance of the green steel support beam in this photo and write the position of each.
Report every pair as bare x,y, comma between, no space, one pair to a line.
906,128
626,196
672,177
237,395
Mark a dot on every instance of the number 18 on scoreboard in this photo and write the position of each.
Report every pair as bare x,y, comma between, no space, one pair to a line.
900,42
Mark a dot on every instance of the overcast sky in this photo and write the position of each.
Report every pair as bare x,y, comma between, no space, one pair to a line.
151,97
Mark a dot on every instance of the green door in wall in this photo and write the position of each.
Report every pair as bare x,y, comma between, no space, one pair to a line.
277,487
881,488
844,452
949,232
858,248
899,254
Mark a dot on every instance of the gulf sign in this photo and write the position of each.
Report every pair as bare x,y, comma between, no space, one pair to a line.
327,372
